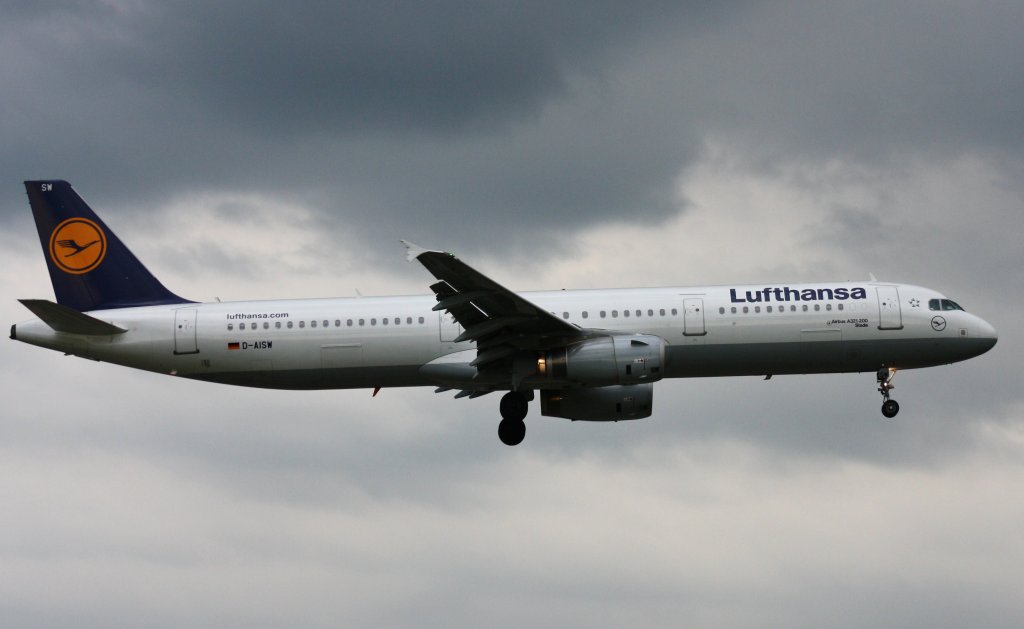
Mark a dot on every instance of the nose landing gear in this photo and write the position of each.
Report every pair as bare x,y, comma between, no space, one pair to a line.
885,376
512,429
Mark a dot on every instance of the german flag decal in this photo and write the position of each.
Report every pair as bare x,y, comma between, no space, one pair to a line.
234,346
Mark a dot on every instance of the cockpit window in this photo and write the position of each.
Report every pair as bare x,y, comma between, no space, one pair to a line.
943,304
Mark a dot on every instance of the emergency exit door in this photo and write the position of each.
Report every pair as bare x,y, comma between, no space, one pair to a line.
185,331
693,317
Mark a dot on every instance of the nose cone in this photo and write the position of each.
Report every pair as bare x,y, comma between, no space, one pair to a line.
987,335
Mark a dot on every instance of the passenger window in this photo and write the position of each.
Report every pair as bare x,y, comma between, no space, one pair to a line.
639,313
373,321
721,310
302,324
398,320
817,307
362,322
289,325
804,307
266,325
625,313
231,326
733,309
615,314
757,308
792,308
312,324
384,321
650,312
565,315
674,312
585,314
768,308
746,310
603,315
277,324
662,312
839,307
828,306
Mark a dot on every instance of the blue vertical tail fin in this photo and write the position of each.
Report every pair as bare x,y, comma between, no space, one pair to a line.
90,267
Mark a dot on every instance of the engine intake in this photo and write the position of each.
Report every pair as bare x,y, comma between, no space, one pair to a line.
606,360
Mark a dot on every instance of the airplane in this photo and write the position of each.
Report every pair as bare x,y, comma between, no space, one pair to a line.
590,355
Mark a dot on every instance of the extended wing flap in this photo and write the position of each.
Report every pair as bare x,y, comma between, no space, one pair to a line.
483,307
68,320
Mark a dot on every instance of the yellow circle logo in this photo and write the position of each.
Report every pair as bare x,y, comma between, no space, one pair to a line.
77,246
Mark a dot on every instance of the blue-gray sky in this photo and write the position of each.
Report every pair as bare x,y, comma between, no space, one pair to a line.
255,150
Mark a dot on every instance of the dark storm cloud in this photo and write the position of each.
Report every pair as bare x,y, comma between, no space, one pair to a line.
420,115
871,80
424,119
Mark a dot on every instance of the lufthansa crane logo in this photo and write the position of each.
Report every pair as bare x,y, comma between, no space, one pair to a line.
938,323
77,246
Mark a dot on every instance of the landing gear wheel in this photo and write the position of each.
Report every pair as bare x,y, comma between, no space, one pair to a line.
890,408
514,406
511,431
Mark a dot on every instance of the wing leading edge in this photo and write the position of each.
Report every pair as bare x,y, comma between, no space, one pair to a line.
497,319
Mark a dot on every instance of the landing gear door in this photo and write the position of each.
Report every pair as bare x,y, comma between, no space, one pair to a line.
185,331
693,317
889,315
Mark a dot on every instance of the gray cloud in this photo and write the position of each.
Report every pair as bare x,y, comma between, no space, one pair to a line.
532,118
512,133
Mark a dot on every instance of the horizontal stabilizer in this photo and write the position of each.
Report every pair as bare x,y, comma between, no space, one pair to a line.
68,320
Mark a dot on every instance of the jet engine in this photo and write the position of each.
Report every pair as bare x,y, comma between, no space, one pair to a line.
605,360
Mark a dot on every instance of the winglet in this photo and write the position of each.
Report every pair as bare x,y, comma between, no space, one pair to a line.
413,250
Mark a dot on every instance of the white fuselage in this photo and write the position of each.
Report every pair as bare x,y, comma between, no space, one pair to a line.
386,341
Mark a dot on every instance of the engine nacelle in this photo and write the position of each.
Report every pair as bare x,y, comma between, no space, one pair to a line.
601,404
606,360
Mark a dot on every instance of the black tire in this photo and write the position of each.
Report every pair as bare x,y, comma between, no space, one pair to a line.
511,431
514,406
890,408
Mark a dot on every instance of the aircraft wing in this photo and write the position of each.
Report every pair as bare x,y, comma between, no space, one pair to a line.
499,320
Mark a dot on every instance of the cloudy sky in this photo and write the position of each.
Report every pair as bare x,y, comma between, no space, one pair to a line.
256,150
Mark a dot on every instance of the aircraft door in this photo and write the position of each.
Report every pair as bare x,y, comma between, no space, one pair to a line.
450,328
185,331
889,315
693,317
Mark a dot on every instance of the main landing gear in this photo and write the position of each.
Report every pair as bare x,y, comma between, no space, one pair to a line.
514,406
889,407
